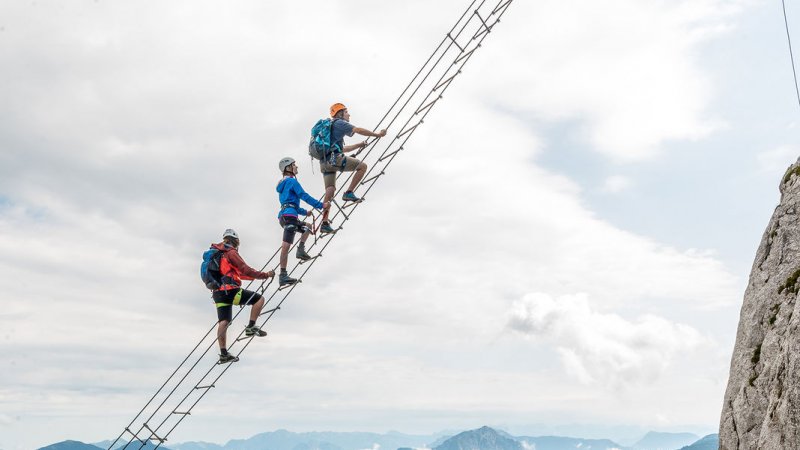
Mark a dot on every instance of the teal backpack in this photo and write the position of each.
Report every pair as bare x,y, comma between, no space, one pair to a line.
320,146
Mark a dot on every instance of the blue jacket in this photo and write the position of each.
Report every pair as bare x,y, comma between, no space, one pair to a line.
290,193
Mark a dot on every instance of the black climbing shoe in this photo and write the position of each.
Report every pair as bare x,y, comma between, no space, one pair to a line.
223,359
254,330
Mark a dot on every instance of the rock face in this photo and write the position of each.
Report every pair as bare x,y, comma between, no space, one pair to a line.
762,402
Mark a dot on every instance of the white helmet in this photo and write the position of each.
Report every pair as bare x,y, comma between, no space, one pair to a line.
285,162
230,232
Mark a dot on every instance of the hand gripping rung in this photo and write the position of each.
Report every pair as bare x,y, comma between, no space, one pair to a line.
432,101
154,436
454,42
270,310
371,178
447,81
205,387
389,154
410,129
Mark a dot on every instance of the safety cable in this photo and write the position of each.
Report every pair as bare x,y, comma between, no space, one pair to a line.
464,53
791,53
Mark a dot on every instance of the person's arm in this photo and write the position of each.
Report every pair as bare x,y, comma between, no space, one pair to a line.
350,148
245,272
365,132
306,198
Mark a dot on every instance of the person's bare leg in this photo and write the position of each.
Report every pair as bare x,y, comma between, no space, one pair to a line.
284,254
361,169
329,191
222,331
256,309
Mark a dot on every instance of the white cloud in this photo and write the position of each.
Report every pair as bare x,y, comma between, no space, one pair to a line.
616,183
135,135
625,69
604,348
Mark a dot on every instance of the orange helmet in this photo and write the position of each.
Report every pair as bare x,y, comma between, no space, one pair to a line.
336,107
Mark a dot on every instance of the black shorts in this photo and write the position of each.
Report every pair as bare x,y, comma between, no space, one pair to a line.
292,225
226,299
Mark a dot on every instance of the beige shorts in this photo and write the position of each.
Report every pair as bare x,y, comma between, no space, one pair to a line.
341,163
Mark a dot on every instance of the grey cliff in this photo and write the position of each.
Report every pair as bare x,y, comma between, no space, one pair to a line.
761,409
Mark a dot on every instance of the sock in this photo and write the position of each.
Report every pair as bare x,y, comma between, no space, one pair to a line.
301,244
223,351
283,271
252,323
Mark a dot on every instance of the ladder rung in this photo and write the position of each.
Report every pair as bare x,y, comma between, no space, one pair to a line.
205,387
465,55
431,102
341,209
288,286
187,413
154,436
410,129
371,178
454,42
309,260
351,204
446,81
481,19
269,311
481,33
134,435
389,154
504,5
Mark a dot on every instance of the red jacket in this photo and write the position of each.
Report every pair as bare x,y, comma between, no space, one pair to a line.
234,269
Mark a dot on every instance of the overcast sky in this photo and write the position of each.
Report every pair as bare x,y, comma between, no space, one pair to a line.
562,249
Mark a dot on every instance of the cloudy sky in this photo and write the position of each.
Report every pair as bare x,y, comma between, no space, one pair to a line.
562,249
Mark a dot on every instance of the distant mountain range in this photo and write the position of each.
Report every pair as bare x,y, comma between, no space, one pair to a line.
484,438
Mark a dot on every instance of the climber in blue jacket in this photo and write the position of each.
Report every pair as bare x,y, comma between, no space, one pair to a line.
290,193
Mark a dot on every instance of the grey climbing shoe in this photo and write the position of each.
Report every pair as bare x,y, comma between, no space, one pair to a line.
285,280
325,228
301,252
